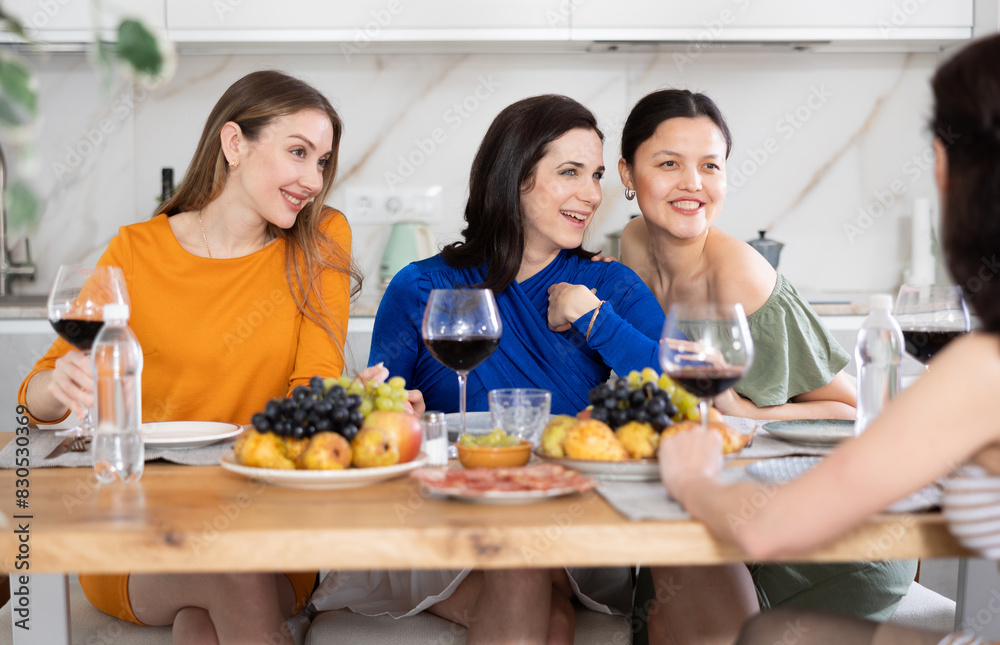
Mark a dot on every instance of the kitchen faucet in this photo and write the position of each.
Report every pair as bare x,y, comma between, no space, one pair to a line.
9,270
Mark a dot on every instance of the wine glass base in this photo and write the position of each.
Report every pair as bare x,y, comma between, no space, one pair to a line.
75,431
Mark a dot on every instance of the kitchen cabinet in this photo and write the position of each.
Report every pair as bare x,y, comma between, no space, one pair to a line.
725,21
74,21
365,21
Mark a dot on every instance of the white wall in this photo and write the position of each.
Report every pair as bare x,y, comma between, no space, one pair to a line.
841,129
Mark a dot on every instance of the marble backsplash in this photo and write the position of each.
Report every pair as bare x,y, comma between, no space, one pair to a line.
830,149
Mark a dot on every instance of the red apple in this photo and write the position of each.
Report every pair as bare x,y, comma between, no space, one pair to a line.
406,427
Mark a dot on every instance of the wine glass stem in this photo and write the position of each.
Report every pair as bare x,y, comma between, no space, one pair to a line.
703,404
462,378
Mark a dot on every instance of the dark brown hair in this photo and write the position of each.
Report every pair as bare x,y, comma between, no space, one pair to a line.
967,121
253,102
503,169
662,105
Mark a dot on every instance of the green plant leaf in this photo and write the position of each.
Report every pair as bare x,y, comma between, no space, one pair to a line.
9,114
10,23
17,84
23,205
137,46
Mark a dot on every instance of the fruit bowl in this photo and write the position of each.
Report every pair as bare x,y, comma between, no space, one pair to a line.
494,457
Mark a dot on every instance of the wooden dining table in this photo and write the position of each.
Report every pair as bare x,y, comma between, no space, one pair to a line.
187,519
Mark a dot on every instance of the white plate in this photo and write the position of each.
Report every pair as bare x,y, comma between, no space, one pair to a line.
500,496
187,434
812,431
633,470
321,479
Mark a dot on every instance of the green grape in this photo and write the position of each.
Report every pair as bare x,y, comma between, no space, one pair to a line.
634,379
383,403
355,388
467,439
397,406
397,383
383,390
649,375
495,437
366,407
328,383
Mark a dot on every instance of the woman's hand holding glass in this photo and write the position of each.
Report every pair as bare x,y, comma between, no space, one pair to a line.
76,312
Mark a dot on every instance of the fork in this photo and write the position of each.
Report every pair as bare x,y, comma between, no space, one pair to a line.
79,444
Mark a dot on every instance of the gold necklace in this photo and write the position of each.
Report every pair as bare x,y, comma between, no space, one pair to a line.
204,237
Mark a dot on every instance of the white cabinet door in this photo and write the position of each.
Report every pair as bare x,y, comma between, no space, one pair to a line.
726,20
399,20
74,20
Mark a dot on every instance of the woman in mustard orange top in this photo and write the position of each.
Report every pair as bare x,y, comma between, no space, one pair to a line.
239,290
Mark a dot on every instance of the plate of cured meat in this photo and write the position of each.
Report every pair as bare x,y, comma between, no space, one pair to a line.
503,485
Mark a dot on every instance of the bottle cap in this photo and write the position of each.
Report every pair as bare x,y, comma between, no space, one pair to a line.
433,417
115,311
881,301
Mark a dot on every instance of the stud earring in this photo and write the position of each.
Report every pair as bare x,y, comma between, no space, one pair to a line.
233,164
629,194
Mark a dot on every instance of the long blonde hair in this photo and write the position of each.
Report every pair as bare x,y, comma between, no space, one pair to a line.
253,102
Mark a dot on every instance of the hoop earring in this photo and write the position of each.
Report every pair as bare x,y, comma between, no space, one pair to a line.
629,194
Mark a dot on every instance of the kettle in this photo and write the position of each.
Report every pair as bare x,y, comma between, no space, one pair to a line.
768,248
408,242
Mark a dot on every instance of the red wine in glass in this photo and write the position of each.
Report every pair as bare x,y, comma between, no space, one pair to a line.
461,328
706,382
461,353
706,348
930,317
79,333
924,344
76,312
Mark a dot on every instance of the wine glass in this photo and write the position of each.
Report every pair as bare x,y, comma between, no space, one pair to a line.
706,348
461,329
930,316
76,312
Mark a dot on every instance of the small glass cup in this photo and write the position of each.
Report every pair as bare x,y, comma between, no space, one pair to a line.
521,412
435,439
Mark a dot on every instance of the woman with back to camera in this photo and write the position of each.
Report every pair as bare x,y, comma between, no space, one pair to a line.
533,190
947,417
675,145
246,232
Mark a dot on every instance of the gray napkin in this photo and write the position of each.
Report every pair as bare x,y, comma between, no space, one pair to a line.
639,501
42,442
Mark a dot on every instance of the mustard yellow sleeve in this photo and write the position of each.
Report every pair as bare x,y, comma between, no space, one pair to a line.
318,353
118,254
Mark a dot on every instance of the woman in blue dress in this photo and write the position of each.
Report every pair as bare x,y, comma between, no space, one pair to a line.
567,321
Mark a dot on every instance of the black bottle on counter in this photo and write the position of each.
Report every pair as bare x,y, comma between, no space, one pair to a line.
166,184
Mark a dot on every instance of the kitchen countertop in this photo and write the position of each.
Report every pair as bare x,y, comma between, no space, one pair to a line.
34,306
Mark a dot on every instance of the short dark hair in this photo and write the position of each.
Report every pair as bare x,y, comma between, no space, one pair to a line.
967,121
662,105
503,169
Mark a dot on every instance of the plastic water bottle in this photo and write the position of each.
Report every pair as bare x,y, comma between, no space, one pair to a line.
119,454
878,353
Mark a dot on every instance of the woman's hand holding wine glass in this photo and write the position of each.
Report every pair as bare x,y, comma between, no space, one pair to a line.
76,312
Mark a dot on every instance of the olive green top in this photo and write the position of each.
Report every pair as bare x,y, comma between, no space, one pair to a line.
794,352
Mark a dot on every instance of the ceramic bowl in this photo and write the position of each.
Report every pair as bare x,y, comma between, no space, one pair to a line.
494,457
